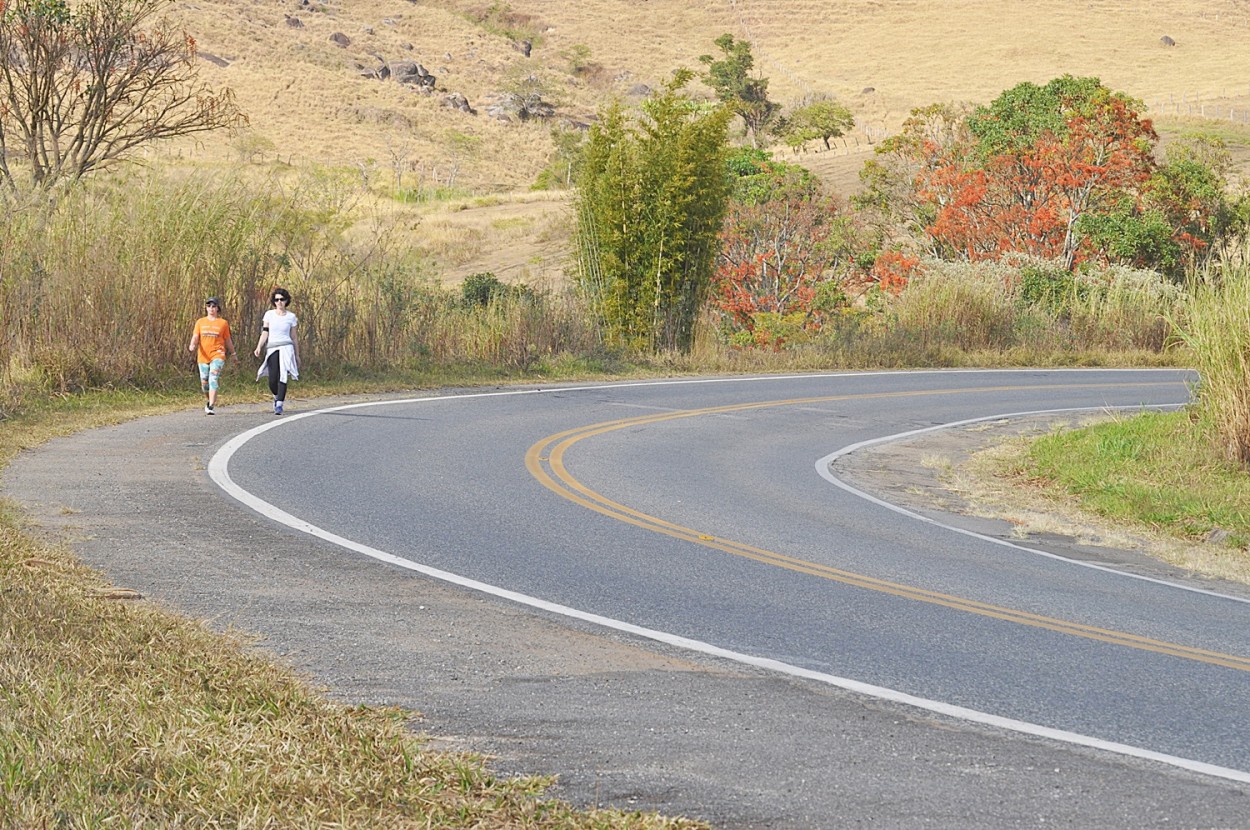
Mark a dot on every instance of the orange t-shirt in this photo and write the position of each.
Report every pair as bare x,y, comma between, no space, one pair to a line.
213,336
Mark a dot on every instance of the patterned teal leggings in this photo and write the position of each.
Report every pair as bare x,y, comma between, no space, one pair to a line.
209,372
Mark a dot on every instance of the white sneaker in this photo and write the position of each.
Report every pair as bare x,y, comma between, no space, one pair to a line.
208,409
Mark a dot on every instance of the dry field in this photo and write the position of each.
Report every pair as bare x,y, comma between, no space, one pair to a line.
308,103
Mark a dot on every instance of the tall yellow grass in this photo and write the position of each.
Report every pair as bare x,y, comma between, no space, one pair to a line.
978,309
103,290
1218,333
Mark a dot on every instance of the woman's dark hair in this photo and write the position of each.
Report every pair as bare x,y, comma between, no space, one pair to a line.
279,292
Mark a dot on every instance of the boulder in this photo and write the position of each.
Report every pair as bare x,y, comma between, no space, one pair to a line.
509,106
457,101
498,113
413,73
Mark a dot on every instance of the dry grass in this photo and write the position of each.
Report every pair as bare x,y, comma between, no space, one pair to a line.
114,712
309,104
305,94
524,238
1216,332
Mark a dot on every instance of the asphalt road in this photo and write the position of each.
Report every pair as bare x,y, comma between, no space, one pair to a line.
656,592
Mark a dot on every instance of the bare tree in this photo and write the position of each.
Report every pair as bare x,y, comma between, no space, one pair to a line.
82,85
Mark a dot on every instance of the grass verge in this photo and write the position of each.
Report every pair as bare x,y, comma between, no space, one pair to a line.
1155,472
115,712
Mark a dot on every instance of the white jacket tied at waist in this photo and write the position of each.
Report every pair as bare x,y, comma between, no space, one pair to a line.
287,366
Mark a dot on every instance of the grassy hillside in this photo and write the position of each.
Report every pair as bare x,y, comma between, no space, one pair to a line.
310,105
306,97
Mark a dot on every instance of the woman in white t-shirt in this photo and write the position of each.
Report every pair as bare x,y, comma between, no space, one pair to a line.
281,344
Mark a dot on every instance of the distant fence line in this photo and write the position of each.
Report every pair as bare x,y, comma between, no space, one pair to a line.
1193,104
762,53
859,140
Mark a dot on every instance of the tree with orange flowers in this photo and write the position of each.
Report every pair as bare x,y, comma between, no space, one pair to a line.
1064,171
784,251
1055,154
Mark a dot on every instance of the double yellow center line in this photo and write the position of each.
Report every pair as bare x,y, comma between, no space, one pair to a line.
545,461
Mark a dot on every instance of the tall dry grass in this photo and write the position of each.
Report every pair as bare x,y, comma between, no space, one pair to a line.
103,290
1217,331
1126,309
960,313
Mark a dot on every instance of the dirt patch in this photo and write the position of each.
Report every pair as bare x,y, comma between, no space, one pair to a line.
519,242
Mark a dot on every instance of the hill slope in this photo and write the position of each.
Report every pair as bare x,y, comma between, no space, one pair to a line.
306,95
310,100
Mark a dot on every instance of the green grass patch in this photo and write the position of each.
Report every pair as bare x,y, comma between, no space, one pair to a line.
1160,470
1231,133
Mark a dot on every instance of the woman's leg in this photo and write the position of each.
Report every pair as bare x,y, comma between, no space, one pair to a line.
276,386
214,378
273,365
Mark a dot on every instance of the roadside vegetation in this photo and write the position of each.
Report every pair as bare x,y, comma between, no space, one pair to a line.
1155,470
1045,228
1183,473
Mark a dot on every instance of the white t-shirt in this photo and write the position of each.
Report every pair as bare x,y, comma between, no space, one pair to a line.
280,326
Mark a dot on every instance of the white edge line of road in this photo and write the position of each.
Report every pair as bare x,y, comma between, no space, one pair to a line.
218,472
823,469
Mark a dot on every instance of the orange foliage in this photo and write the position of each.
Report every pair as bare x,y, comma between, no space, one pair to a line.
892,270
1028,199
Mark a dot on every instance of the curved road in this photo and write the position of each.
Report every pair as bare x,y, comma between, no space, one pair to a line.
680,606
695,513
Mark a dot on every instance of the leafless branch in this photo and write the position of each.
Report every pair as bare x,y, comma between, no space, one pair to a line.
82,87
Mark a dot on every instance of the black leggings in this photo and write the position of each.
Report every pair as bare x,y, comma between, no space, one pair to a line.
274,368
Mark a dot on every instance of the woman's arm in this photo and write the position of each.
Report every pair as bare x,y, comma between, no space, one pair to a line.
264,334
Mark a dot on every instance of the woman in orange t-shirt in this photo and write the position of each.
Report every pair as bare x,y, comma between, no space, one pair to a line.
210,340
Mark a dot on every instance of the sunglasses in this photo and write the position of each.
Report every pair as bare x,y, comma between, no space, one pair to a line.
211,305
279,299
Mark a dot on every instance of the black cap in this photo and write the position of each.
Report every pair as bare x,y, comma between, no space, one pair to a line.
213,301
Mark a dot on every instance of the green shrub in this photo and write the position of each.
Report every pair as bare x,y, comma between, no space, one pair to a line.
1047,284
480,288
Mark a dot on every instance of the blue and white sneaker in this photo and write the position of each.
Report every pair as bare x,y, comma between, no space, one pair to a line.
277,407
